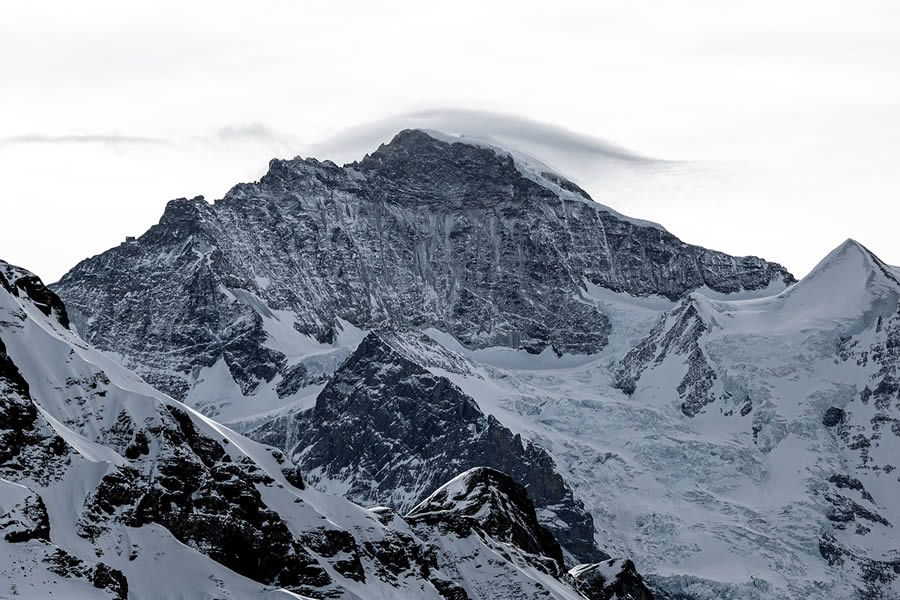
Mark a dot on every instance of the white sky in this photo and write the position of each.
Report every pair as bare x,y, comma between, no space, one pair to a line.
782,119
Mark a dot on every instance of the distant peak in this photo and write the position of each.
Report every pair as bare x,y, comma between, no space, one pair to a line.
851,245
851,254
408,135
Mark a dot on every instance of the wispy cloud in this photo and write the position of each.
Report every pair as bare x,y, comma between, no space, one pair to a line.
500,125
576,153
111,140
249,131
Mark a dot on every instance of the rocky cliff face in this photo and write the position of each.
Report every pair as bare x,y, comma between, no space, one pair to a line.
109,489
423,232
386,430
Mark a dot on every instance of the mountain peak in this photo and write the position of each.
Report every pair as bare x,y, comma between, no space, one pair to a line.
415,136
849,265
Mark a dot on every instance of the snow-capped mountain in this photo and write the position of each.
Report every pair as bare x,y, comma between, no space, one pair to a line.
806,382
110,489
493,504
732,431
489,247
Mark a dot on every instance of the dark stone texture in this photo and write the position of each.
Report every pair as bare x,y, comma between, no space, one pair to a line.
18,281
833,416
679,333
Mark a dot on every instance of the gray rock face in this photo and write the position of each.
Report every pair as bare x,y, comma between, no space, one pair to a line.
391,432
422,232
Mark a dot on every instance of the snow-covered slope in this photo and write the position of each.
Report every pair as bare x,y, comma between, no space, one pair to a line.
110,489
799,393
755,454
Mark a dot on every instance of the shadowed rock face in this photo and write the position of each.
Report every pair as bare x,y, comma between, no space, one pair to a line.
392,432
422,232
18,282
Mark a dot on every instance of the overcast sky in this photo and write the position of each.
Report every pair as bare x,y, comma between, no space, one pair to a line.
776,125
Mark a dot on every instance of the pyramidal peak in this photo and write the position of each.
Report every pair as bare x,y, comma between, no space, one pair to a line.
851,280
851,259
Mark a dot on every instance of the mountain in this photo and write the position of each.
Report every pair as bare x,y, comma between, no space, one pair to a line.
732,431
386,430
110,489
226,301
807,382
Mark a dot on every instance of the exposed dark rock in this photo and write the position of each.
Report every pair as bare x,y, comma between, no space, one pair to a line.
100,575
676,333
876,574
383,413
26,521
18,281
104,577
294,476
844,510
851,483
140,446
490,501
833,416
